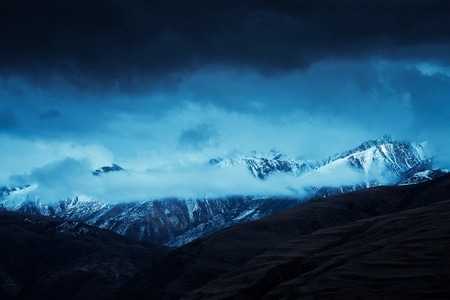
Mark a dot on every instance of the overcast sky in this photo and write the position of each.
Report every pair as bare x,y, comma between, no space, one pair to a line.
160,87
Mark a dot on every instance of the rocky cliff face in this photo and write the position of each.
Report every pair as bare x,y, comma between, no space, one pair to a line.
170,222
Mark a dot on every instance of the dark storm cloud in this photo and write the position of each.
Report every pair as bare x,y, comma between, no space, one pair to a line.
127,43
8,120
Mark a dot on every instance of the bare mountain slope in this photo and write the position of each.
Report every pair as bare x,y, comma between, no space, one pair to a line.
403,255
44,258
196,264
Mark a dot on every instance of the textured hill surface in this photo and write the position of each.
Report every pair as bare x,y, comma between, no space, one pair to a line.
43,258
399,256
382,233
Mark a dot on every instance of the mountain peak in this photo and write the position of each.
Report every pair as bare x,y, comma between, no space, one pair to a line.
381,161
107,169
385,140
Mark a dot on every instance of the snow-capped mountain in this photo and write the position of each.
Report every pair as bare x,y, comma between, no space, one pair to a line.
382,162
174,222
170,222
377,162
261,166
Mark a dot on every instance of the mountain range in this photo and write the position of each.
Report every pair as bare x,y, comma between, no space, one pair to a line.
386,242
176,221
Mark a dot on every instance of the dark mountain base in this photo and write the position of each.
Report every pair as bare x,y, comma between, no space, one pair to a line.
195,265
379,243
43,258
399,256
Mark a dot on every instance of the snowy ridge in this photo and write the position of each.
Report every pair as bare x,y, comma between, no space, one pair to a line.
261,167
381,162
171,222
13,198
